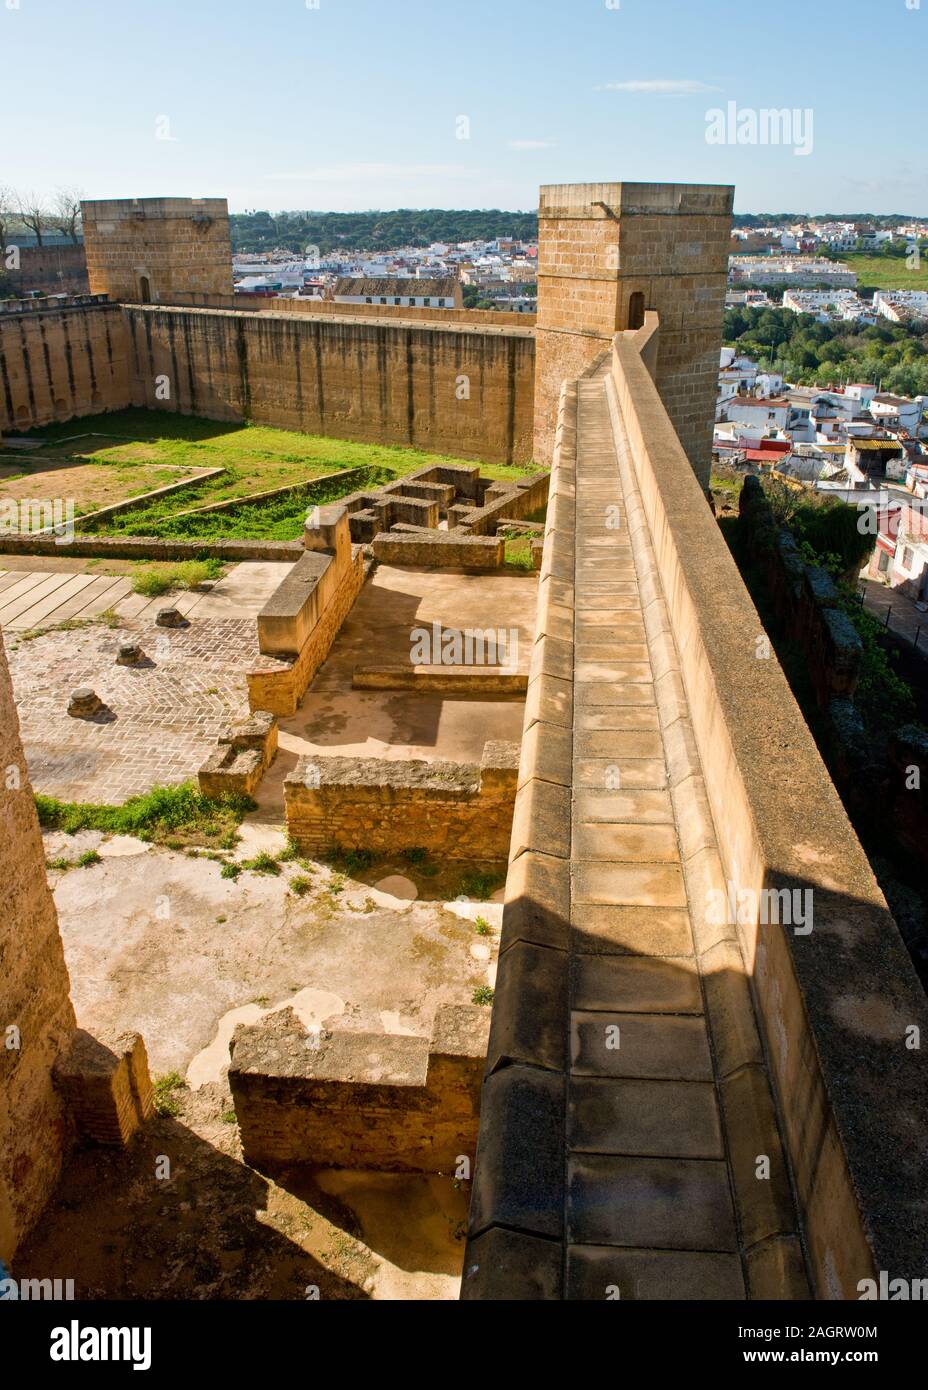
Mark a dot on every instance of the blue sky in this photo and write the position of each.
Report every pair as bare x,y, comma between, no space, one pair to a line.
356,104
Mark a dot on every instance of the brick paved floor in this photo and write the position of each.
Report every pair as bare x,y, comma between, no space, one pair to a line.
161,719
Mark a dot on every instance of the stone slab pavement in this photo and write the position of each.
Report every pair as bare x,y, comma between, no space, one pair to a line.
42,597
668,1101
162,717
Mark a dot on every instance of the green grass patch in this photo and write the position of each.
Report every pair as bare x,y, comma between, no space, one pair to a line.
887,272
483,994
262,863
480,885
164,1088
180,815
301,884
152,580
255,458
89,857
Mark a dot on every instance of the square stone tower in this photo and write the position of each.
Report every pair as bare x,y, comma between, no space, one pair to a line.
608,252
147,250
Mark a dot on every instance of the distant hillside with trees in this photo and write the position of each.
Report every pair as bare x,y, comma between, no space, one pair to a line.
781,219
809,353
383,231
376,231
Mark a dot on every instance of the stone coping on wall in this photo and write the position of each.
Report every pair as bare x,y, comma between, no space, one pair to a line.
149,548
371,319
838,1004
517,1207
302,619
296,605
470,318
440,550
55,303
492,682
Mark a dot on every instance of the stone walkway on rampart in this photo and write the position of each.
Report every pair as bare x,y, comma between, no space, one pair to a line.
669,1114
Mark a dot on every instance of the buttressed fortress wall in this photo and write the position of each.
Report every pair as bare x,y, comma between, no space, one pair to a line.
59,360
607,253
450,390
444,385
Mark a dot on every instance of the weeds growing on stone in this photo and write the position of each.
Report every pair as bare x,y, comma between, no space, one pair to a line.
481,926
483,994
165,1101
479,885
301,884
152,580
90,856
262,863
353,861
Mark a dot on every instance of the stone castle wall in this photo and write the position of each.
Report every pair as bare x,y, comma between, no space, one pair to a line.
448,390
59,362
36,1018
150,249
353,380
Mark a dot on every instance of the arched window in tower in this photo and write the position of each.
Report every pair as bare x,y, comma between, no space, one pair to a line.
144,289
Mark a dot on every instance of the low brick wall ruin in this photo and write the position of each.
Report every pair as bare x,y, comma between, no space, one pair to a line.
359,1100
457,810
301,620
241,757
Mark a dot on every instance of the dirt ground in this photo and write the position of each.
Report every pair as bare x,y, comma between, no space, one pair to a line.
88,485
157,941
217,1229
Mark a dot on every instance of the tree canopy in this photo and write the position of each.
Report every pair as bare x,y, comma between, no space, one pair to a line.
809,353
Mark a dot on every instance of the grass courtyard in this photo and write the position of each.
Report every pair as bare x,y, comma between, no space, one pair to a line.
111,458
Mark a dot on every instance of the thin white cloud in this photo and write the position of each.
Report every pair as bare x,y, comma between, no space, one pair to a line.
531,144
665,87
343,173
